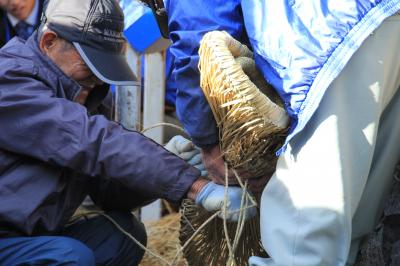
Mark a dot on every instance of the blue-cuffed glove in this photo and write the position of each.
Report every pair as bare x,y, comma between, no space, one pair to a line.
182,147
212,196
185,149
197,162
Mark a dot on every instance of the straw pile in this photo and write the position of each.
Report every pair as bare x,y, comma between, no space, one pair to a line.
163,238
252,122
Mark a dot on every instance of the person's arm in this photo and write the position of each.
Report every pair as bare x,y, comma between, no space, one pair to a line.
187,25
112,195
109,194
59,132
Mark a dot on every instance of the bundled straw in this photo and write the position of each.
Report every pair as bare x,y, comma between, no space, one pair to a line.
210,246
252,123
252,126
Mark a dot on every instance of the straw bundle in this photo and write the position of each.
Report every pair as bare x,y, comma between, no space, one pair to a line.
210,245
252,123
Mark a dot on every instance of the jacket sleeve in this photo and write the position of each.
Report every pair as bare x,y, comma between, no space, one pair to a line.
57,131
188,22
109,194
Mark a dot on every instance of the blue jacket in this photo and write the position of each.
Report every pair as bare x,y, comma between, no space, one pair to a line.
300,46
53,153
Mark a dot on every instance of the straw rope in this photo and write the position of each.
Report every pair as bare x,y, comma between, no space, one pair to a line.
163,125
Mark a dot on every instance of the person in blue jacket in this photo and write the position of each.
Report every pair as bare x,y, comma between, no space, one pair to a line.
19,18
58,145
336,66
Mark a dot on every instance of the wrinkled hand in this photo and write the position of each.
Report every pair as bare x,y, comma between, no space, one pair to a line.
215,166
186,150
212,196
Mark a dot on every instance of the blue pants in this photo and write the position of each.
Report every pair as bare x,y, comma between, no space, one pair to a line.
88,241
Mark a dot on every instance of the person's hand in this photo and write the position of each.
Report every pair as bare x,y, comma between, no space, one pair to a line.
215,165
182,147
197,162
186,150
212,196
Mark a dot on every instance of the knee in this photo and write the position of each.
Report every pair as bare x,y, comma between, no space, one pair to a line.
128,248
68,251
139,231
131,224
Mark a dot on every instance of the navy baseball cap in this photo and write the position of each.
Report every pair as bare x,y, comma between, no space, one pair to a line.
95,27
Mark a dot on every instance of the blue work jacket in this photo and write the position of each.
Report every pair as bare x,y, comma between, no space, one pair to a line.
300,46
54,152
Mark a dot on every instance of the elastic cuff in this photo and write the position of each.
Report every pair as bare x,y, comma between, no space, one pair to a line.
205,142
197,186
203,192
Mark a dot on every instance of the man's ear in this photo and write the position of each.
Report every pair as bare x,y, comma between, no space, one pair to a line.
47,41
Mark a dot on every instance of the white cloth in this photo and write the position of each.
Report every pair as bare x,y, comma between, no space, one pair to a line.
330,184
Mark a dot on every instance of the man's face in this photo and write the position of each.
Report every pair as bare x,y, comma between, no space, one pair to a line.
72,64
67,58
20,9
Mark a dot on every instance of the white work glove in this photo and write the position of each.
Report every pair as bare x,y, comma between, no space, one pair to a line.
212,196
186,150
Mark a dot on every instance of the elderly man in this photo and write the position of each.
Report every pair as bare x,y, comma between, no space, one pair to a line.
19,18
54,149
